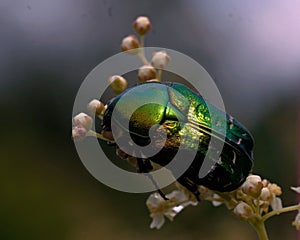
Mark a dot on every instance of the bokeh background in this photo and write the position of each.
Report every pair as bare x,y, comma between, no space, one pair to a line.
250,48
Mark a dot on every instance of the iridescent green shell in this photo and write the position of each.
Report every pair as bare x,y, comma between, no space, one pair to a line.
182,112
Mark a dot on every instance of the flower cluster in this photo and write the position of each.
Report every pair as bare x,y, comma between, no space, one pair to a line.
255,201
82,123
252,200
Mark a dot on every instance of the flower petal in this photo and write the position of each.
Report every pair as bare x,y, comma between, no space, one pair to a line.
296,189
177,195
276,203
158,221
216,203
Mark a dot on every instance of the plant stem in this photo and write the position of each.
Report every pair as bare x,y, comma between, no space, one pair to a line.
258,223
91,133
141,53
279,211
260,229
159,72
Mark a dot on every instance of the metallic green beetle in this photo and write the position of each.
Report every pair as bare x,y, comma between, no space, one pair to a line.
184,113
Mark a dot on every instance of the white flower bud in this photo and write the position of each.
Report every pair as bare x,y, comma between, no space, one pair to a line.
142,25
160,59
146,72
243,210
130,43
117,83
252,186
83,120
265,194
78,132
96,107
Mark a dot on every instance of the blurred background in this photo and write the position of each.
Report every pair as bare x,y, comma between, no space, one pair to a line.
252,51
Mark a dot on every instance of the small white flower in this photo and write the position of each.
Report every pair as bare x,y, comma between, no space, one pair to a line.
296,222
130,43
160,208
155,205
117,83
243,210
146,72
83,120
96,107
160,59
252,186
296,189
142,25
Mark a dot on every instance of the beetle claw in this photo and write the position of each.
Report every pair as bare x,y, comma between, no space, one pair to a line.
162,195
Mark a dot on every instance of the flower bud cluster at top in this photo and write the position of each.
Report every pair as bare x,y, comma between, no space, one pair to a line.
150,71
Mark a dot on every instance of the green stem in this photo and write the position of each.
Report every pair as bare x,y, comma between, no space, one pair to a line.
260,229
279,211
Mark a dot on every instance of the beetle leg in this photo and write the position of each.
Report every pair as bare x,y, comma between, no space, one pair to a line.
155,184
143,166
190,185
162,195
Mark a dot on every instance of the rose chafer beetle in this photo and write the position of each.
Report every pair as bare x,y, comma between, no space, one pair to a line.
182,113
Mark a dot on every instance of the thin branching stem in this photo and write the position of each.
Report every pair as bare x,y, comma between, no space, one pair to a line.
92,133
159,73
141,53
279,211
